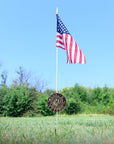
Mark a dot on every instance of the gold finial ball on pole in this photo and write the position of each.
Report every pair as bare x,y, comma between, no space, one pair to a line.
57,11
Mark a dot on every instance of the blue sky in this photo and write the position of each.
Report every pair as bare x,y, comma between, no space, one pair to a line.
28,38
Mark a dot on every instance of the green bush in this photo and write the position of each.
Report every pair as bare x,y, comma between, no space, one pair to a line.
110,108
73,106
80,92
43,107
17,101
3,92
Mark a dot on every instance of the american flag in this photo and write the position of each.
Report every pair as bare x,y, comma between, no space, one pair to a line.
66,42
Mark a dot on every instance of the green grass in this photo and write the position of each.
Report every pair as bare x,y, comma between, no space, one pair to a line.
71,130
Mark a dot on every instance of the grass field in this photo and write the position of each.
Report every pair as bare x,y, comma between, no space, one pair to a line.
71,130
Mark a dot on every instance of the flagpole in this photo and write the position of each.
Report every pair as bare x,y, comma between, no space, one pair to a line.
56,75
56,83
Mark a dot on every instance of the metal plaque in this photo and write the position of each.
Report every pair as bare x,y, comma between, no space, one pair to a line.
56,102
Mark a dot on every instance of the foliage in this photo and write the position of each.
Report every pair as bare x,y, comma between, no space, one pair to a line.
86,100
25,97
43,107
81,92
73,106
23,77
4,78
21,100
17,101
49,92
3,92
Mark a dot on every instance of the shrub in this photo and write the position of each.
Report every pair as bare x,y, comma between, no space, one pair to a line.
17,101
73,106
3,92
43,107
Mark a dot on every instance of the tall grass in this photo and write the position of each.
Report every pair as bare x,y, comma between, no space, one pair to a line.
71,130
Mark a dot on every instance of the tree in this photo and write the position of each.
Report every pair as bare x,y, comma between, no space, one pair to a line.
38,84
23,77
106,95
96,95
80,93
4,78
49,92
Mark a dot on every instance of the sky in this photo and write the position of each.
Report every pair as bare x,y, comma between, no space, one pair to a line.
28,39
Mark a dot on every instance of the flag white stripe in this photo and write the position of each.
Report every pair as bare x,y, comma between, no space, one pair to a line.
78,55
58,44
68,46
82,58
59,39
64,39
73,50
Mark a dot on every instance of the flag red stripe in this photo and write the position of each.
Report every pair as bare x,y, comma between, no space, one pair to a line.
60,42
80,58
60,47
75,53
59,36
65,42
70,48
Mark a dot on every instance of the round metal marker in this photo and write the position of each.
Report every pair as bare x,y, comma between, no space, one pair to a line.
56,102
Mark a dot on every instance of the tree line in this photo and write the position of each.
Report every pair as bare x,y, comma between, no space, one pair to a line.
22,98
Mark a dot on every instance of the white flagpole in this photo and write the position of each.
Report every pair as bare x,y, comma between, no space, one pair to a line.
57,76
56,83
